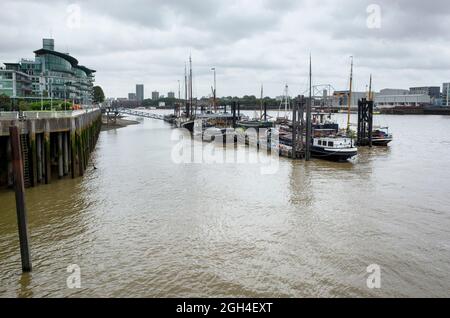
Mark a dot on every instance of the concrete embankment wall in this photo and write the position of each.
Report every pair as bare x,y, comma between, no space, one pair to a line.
54,146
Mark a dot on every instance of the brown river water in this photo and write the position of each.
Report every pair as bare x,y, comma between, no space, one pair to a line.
141,225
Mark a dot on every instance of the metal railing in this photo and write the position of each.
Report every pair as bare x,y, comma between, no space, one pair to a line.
44,114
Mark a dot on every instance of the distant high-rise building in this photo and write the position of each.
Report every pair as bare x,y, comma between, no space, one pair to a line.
139,92
155,95
170,95
446,94
131,96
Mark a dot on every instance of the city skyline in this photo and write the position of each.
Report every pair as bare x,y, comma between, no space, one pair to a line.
266,42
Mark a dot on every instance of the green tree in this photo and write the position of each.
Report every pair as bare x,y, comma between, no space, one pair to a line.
99,96
23,106
5,102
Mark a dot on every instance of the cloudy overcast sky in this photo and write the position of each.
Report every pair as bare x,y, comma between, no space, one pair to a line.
248,41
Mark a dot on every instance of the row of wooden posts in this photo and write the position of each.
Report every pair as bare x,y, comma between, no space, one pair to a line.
72,151
68,149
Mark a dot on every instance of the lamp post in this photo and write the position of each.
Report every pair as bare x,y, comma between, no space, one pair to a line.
51,94
65,96
42,86
65,93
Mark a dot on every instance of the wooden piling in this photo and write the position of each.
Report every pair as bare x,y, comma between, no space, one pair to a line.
294,131
80,146
10,165
73,149
20,198
39,158
66,153
60,156
233,111
265,111
32,150
47,154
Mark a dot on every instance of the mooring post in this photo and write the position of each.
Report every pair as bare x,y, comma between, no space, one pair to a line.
80,143
60,156
233,112
10,165
39,157
20,198
32,148
294,131
308,130
265,111
47,153
370,119
301,119
73,149
66,153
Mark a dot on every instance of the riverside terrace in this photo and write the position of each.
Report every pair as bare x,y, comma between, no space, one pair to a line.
52,143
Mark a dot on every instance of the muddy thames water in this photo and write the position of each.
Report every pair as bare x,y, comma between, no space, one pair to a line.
141,225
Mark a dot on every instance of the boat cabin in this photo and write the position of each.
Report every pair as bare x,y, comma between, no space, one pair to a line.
333,142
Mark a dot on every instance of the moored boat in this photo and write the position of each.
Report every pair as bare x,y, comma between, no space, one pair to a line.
333,148
381,137
255,124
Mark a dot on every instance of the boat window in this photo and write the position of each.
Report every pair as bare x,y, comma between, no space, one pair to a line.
330,144
320,142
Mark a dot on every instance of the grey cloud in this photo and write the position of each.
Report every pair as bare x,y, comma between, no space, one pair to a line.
249,41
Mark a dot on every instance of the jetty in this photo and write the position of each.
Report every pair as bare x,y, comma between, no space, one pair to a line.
53,144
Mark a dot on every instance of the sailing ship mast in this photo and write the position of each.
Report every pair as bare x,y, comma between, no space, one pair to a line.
191,106
214,91
308,115
185,90
350,95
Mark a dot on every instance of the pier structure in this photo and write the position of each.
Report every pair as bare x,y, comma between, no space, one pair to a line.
53,144
365,122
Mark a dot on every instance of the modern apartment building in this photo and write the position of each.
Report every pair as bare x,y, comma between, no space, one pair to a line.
155,95
51,75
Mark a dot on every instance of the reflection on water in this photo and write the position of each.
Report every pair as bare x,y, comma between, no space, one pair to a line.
141,225
25,290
